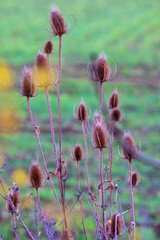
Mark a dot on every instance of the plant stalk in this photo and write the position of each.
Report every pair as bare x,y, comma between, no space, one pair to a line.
132,202
15,227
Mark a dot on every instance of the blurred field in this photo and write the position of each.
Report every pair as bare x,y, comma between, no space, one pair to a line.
129,33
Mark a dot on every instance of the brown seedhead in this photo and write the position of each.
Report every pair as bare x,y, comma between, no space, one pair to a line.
14,197
119,225
114,100
82,112
57,22
99,133
129,148
28,88
100,71
36,176
115,115
67,235
78,152
41,60
48,47
135,179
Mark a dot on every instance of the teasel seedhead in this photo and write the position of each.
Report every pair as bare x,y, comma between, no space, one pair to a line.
77,154
28,88
82,112
115,115
135,179
48,47
99,133
14,197
67,235
114,100
99,71
129,148
43,75
57,22
119,225
35,176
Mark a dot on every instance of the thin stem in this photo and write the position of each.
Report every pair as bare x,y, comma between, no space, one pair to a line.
43,157
40,209
51,125
111,159
36,220
101,179
70,217
81,200
15,227
26,229
100,101
132,202
86,156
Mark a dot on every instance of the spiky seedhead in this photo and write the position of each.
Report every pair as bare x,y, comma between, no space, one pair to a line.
14,197
42,74
100,71
28,88
41,60
57,22
48,47
119,225
115,115
99,134
114,100
78,152
67,235
135,179
129,148
82,112
36,176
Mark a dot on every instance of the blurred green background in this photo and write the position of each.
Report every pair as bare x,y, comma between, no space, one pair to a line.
128,32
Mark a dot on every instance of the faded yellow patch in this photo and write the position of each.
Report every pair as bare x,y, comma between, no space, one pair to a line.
19,176
6,77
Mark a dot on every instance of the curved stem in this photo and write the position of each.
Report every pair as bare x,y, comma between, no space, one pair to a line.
81,200
42,155
132,202
15,227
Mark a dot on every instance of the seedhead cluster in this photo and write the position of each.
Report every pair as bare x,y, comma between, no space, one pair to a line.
107,215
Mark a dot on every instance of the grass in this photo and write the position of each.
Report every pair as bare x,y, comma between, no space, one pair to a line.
127,31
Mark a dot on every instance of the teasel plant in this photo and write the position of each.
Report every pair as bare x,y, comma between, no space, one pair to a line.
77,156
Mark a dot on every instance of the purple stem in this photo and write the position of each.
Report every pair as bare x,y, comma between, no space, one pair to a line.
40,209
100,101
101,179
72,224
51,125
81,200
15,227
42,155
36,220
132,202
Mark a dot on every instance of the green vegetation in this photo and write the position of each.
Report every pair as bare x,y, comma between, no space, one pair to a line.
128,31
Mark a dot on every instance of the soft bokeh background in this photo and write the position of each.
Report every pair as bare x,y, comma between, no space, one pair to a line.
128,31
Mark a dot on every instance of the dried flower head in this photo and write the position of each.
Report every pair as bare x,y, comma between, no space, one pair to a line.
57,22
67,235
99,134
78,152
36,176
129,148
100,71
115,115
119,225
82,112
28,88
43,75
114,100
48,47
14,197
135,179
